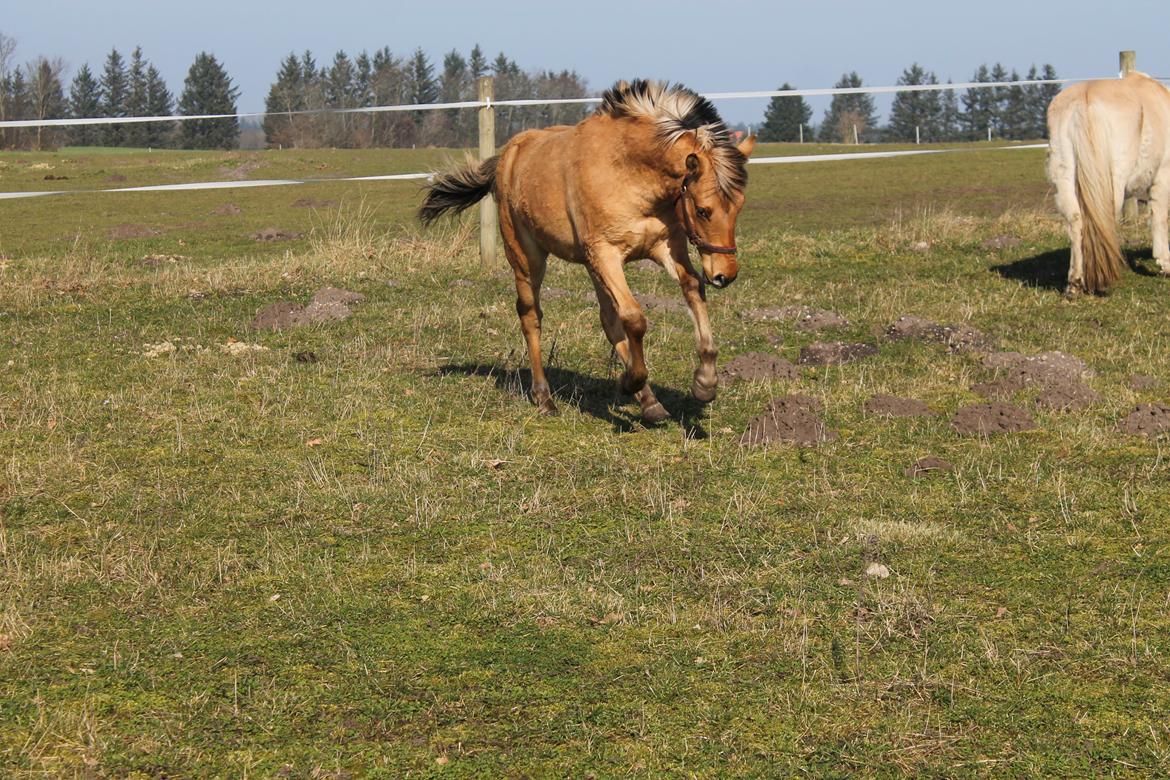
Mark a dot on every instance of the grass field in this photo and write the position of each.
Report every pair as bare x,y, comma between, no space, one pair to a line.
219,560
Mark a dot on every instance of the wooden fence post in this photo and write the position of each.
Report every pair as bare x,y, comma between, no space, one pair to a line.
1128,61
487,147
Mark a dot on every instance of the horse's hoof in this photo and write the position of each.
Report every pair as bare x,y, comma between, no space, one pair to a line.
1072,292
703,393
547,407
655,413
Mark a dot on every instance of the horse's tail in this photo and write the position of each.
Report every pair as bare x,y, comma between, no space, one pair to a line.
1094,180
458,189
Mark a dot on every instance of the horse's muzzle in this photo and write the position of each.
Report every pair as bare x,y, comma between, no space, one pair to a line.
719,281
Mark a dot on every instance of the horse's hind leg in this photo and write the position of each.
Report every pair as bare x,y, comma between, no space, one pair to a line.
652,410
528,263
1159,206
1070,209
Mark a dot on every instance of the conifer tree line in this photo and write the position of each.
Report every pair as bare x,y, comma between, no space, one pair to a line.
1012,112
120,88
386,79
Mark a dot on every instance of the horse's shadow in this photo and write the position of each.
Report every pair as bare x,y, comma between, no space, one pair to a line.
1049,270
594,396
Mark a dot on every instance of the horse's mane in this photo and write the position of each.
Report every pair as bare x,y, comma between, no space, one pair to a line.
676,110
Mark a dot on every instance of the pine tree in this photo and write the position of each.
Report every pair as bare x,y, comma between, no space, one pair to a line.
980,109
85,102
286,95
1044,95
136,99
999,97
208,90
950,119
477,64
847,112
916,114
159,102
423,87
453,127
784,117
114,89
16,90
1015,115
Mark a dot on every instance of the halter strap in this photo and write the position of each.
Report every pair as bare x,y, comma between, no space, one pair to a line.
685,196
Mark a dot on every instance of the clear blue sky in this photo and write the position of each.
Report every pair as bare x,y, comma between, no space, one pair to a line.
710,46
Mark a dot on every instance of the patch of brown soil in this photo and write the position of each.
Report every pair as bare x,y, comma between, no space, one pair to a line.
154,261
330,304
804,318
759,365
1143,382
115,178
925,467
956,338
554,293
241,171
661,302
1147,420
461,283
991,418
893,406
1046,364
129,230
1001,242
227,210
275,234
834,353
51,177
313,203
789,419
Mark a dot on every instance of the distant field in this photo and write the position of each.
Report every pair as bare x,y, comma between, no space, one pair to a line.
352,549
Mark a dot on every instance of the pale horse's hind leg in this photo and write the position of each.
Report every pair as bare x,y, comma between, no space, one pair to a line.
675,258
652,410
1063,176
1159,205
528,261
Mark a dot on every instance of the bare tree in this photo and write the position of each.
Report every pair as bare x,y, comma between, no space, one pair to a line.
46,96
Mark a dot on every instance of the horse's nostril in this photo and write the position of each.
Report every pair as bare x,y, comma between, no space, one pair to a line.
720,280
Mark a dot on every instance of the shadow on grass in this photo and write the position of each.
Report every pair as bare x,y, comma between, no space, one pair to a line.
1049,270
591,395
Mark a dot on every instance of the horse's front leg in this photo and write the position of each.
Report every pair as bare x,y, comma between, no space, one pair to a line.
605,266
674,257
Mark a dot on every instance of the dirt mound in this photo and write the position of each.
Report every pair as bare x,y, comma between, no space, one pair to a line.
129,230
1068,397
330,304
790,419
893,406
275,234
240,172
1001,242
661,302
834,353
1147,420
313,203
227,210
992,418
956,338
759,365
1143,382
115,178
1056,374
927,466
805,318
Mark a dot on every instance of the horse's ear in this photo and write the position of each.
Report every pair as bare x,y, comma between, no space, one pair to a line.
692,163
747,145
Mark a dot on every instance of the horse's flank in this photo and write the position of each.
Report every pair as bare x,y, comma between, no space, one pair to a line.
1109,140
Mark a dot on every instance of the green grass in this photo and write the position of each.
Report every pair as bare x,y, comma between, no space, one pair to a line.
385,564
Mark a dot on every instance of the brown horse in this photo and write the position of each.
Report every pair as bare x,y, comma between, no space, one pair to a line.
651,170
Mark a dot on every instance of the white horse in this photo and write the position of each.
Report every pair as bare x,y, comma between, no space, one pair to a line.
1109,140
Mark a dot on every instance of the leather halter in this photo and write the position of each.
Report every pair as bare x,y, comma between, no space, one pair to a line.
685,196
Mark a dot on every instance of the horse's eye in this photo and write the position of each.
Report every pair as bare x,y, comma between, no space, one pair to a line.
703,213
